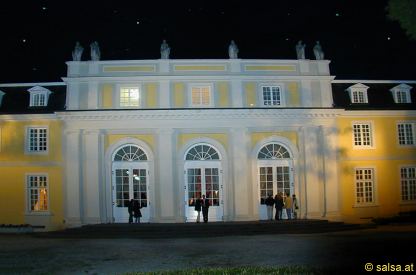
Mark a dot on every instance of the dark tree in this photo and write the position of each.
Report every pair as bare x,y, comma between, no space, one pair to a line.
404,11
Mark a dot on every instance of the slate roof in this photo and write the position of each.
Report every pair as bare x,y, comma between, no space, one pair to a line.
16,100
379,97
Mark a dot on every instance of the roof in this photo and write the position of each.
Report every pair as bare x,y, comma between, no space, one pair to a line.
16,99
379,97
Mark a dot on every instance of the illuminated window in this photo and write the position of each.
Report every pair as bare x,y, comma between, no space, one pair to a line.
363,137
37,193
364,186
201,96
358,93
271,96
401,93
406,133
408,183
37,140
39,96
129,97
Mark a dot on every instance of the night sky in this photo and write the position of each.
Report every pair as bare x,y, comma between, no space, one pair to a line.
37,37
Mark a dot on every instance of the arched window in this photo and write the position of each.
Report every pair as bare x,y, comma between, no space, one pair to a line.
130,153
202,152
273,151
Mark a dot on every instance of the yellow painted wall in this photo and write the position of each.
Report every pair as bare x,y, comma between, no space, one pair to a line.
107,96
184,138
384,158
257,137
13,141
293,94
223,93
151,95
13,200
250,91
199,68
147,138
179,95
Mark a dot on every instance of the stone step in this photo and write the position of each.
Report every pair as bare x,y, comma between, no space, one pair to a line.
190,230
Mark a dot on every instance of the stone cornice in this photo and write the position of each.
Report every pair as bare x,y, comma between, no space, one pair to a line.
200,114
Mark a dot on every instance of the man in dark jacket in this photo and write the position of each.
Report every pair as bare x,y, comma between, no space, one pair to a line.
205,206
130,209
269,204
198,208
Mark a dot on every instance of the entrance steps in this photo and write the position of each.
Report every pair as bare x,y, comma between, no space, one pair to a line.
197,230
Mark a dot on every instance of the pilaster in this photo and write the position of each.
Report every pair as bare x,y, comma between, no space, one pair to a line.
236,93
92,95
164,94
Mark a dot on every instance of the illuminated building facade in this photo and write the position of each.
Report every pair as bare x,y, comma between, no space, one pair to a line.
165,132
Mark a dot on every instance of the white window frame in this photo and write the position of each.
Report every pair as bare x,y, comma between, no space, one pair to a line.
413,133
373,187
27,140
372,136
398,91
36,93
358,89
210,87
28,194
117,94
271,85
407,179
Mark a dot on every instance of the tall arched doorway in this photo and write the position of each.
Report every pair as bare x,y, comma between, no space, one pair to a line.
275,173
130,180
203,176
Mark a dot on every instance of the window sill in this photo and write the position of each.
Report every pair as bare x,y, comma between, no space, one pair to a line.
365,205
412,202
39,213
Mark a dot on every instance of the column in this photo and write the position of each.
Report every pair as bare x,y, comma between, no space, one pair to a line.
236,93
72,157
312,170
239,194
92,177
165,191
164,94
92,95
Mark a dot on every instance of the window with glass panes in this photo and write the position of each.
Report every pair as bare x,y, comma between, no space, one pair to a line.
201,96
359,97
402,97
408,183
266,183
129,97
364,186
271,96
362,135
37,193
406,133
38,99
37,139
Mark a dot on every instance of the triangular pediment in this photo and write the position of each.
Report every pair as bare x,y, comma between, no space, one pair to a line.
401,87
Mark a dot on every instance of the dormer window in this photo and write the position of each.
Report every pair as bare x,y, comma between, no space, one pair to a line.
358,93
39,96
401,93
1,96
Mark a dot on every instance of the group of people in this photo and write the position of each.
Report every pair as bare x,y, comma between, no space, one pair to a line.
202,204
282,203
134,211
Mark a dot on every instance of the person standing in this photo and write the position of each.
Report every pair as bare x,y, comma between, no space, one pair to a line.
288,206
278,204
269,204
136,211
198,208
130,209
205,206
295,207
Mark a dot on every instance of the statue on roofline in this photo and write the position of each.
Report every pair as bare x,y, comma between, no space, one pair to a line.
317,50
233,50
164,50
300,50
95,51
77,52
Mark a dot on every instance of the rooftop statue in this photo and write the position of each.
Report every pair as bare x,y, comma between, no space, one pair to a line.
317,50
164,50
95,51
77,52
300,50
233,50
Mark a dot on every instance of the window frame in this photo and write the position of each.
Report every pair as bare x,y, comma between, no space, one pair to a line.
210,87
1,96
402,88
413,129
372,136
117,95
374,196
41,92
28,189
260,95
411,201
358,88
28,151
